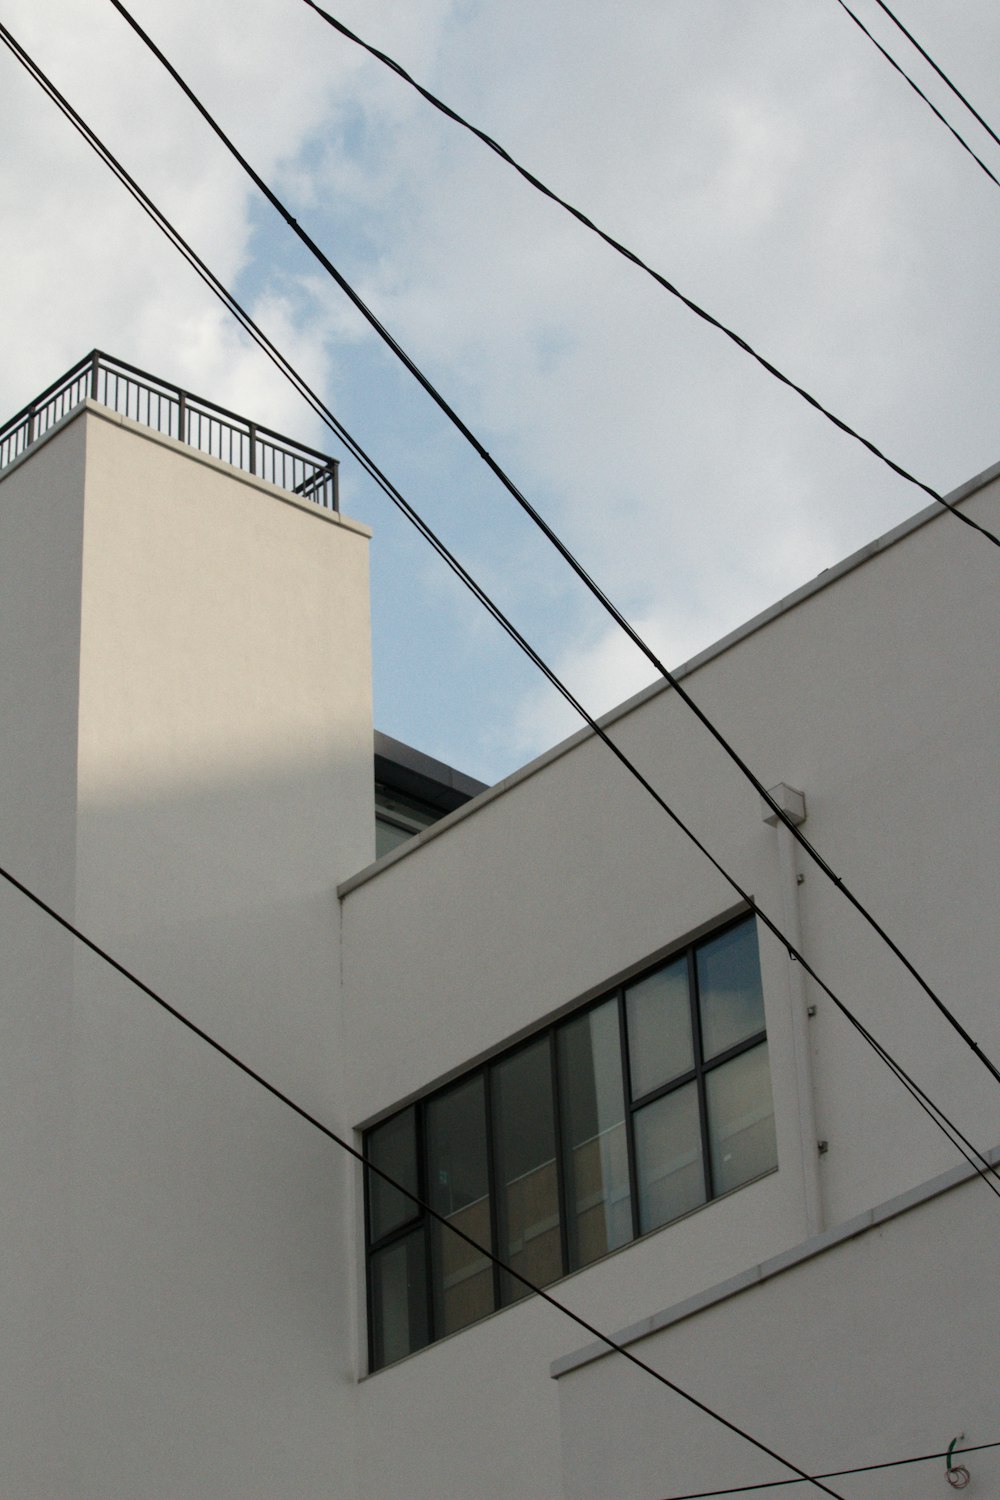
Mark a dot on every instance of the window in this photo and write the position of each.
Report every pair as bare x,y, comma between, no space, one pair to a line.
398,818
636,1109
412,791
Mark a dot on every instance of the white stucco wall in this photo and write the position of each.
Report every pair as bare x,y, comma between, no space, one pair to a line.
190,776
225,756
875,695
192,652
41,546
881,1347
40,552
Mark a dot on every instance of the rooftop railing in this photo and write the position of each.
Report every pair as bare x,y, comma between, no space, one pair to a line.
178,414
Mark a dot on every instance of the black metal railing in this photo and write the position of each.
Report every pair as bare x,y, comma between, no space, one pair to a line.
177,414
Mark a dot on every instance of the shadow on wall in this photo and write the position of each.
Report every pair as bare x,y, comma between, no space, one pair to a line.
178,1246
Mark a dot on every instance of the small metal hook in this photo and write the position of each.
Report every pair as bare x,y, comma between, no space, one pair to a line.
957,1474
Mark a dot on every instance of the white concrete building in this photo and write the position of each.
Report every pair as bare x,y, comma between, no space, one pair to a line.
545,1012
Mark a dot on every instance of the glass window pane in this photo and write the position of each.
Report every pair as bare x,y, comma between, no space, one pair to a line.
668,1157
525,1147
741,1119
389,836
458,1185
593,1124
399,1299
732,1003
393,1147
398,818
659,1028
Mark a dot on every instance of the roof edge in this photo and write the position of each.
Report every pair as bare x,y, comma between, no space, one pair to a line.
933,512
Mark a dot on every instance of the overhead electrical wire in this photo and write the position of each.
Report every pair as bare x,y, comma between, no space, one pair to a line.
231,303
950,1130
892,1463
915,87
564,551
942,75
415,1198
616,245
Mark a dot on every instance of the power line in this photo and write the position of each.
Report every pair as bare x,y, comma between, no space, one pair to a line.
892,1463
616,245
937,1115
948,1128
943,76
283,364
915,87
568,556
426,1208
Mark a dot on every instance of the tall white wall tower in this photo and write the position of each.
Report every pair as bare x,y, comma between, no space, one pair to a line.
186,772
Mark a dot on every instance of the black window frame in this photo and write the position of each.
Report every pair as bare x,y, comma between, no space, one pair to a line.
699,1074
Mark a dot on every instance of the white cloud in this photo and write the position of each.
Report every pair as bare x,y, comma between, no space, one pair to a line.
764,157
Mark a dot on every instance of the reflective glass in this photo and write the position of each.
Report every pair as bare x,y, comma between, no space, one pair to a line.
458,1185
668,1157
741,1119
593,1127
697,1123
659,1028
399,1299
393,1147
525,1155
732,1003
389,836
398,818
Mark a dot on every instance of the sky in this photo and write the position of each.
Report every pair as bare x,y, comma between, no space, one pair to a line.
760,154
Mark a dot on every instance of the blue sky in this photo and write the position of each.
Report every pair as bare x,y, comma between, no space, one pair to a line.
759,153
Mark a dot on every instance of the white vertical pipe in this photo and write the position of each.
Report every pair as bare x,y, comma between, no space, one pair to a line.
793,804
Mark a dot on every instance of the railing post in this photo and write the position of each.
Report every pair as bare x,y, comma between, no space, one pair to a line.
127,390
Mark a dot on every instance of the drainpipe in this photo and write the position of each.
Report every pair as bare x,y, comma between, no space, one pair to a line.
793,805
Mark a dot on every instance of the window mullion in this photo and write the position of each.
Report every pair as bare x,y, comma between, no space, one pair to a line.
633,1175
670,1087
423,1187
491,1183
562,1205
747,1045
699,1064
373,1363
